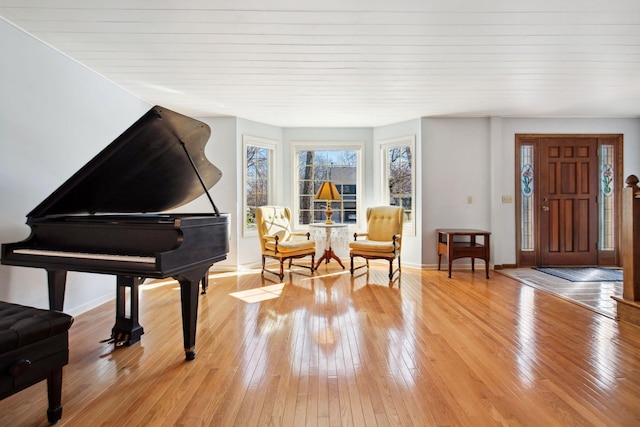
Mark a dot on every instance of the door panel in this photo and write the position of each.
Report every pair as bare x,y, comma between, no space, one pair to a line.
568,194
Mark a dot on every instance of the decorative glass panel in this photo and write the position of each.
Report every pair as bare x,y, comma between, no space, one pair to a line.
526,201
606,204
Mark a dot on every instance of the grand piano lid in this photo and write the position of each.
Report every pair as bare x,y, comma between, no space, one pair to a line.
146,169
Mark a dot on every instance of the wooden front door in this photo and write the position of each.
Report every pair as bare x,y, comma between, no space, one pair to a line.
567,199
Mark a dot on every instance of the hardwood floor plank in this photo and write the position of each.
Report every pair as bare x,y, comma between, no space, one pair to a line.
332,350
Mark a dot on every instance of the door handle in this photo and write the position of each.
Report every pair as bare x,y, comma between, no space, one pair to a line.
545,208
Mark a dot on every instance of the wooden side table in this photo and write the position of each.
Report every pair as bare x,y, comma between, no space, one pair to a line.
327,237
468,248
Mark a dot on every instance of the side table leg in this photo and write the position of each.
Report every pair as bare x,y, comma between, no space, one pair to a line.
334,256
473,259
328,255
325,256
487,253
450,252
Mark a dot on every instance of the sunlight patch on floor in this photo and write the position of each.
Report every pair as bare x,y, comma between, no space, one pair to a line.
259,294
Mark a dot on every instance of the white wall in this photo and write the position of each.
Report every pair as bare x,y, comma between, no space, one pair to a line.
475,157
455,166
55,115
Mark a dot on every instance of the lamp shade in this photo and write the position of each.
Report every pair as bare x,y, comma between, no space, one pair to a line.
328,191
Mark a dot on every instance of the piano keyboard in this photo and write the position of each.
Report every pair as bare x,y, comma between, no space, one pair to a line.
105,257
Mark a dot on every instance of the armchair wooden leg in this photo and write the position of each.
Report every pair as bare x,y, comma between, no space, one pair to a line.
391,272
263,261
353,267
281,269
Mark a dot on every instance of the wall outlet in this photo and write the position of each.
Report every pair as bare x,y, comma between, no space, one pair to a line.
507,199
469,199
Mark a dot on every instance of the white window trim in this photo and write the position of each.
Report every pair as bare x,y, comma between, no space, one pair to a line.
248,140
409,229
344,146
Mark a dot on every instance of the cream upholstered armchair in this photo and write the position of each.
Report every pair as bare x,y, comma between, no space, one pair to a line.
383,237
277,241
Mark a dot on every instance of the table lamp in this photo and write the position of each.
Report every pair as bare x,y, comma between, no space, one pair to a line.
328,192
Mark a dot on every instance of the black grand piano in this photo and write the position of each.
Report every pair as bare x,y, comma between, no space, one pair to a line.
107,218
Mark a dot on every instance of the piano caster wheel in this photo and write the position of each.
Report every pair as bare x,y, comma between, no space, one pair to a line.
190,354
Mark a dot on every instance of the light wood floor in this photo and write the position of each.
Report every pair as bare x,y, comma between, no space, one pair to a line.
336,351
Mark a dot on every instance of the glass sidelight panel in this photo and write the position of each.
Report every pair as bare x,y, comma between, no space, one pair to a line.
607,199
527,242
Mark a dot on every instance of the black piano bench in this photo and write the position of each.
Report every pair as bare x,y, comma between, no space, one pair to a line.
34,346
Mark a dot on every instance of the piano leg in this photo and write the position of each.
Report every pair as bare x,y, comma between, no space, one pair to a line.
205,283
189,289
57,283
127,330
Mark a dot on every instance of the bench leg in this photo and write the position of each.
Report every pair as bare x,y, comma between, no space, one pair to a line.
54,391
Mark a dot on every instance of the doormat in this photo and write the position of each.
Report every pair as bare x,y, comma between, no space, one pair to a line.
583,274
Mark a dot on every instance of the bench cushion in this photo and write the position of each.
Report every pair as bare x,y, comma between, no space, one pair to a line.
21,325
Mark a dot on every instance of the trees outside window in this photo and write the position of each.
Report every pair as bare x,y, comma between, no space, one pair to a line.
259,181
399,177
316,165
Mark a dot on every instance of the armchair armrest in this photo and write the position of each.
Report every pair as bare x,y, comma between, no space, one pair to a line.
307,235
272,238
356,235
397,239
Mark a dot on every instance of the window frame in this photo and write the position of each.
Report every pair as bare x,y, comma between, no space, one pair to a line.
409,227
358,147
254,141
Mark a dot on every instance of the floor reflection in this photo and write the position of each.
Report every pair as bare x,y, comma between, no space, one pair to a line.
311,322
527,348
595,296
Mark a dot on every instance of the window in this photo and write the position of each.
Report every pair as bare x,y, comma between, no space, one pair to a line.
258,167
399,177
527,224
314,165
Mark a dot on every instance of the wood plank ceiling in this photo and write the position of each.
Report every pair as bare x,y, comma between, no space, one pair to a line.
345,63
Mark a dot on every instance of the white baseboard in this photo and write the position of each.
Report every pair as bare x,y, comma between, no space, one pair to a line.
456,266
90,305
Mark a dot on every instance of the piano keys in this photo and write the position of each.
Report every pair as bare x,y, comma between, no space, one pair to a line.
109,218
